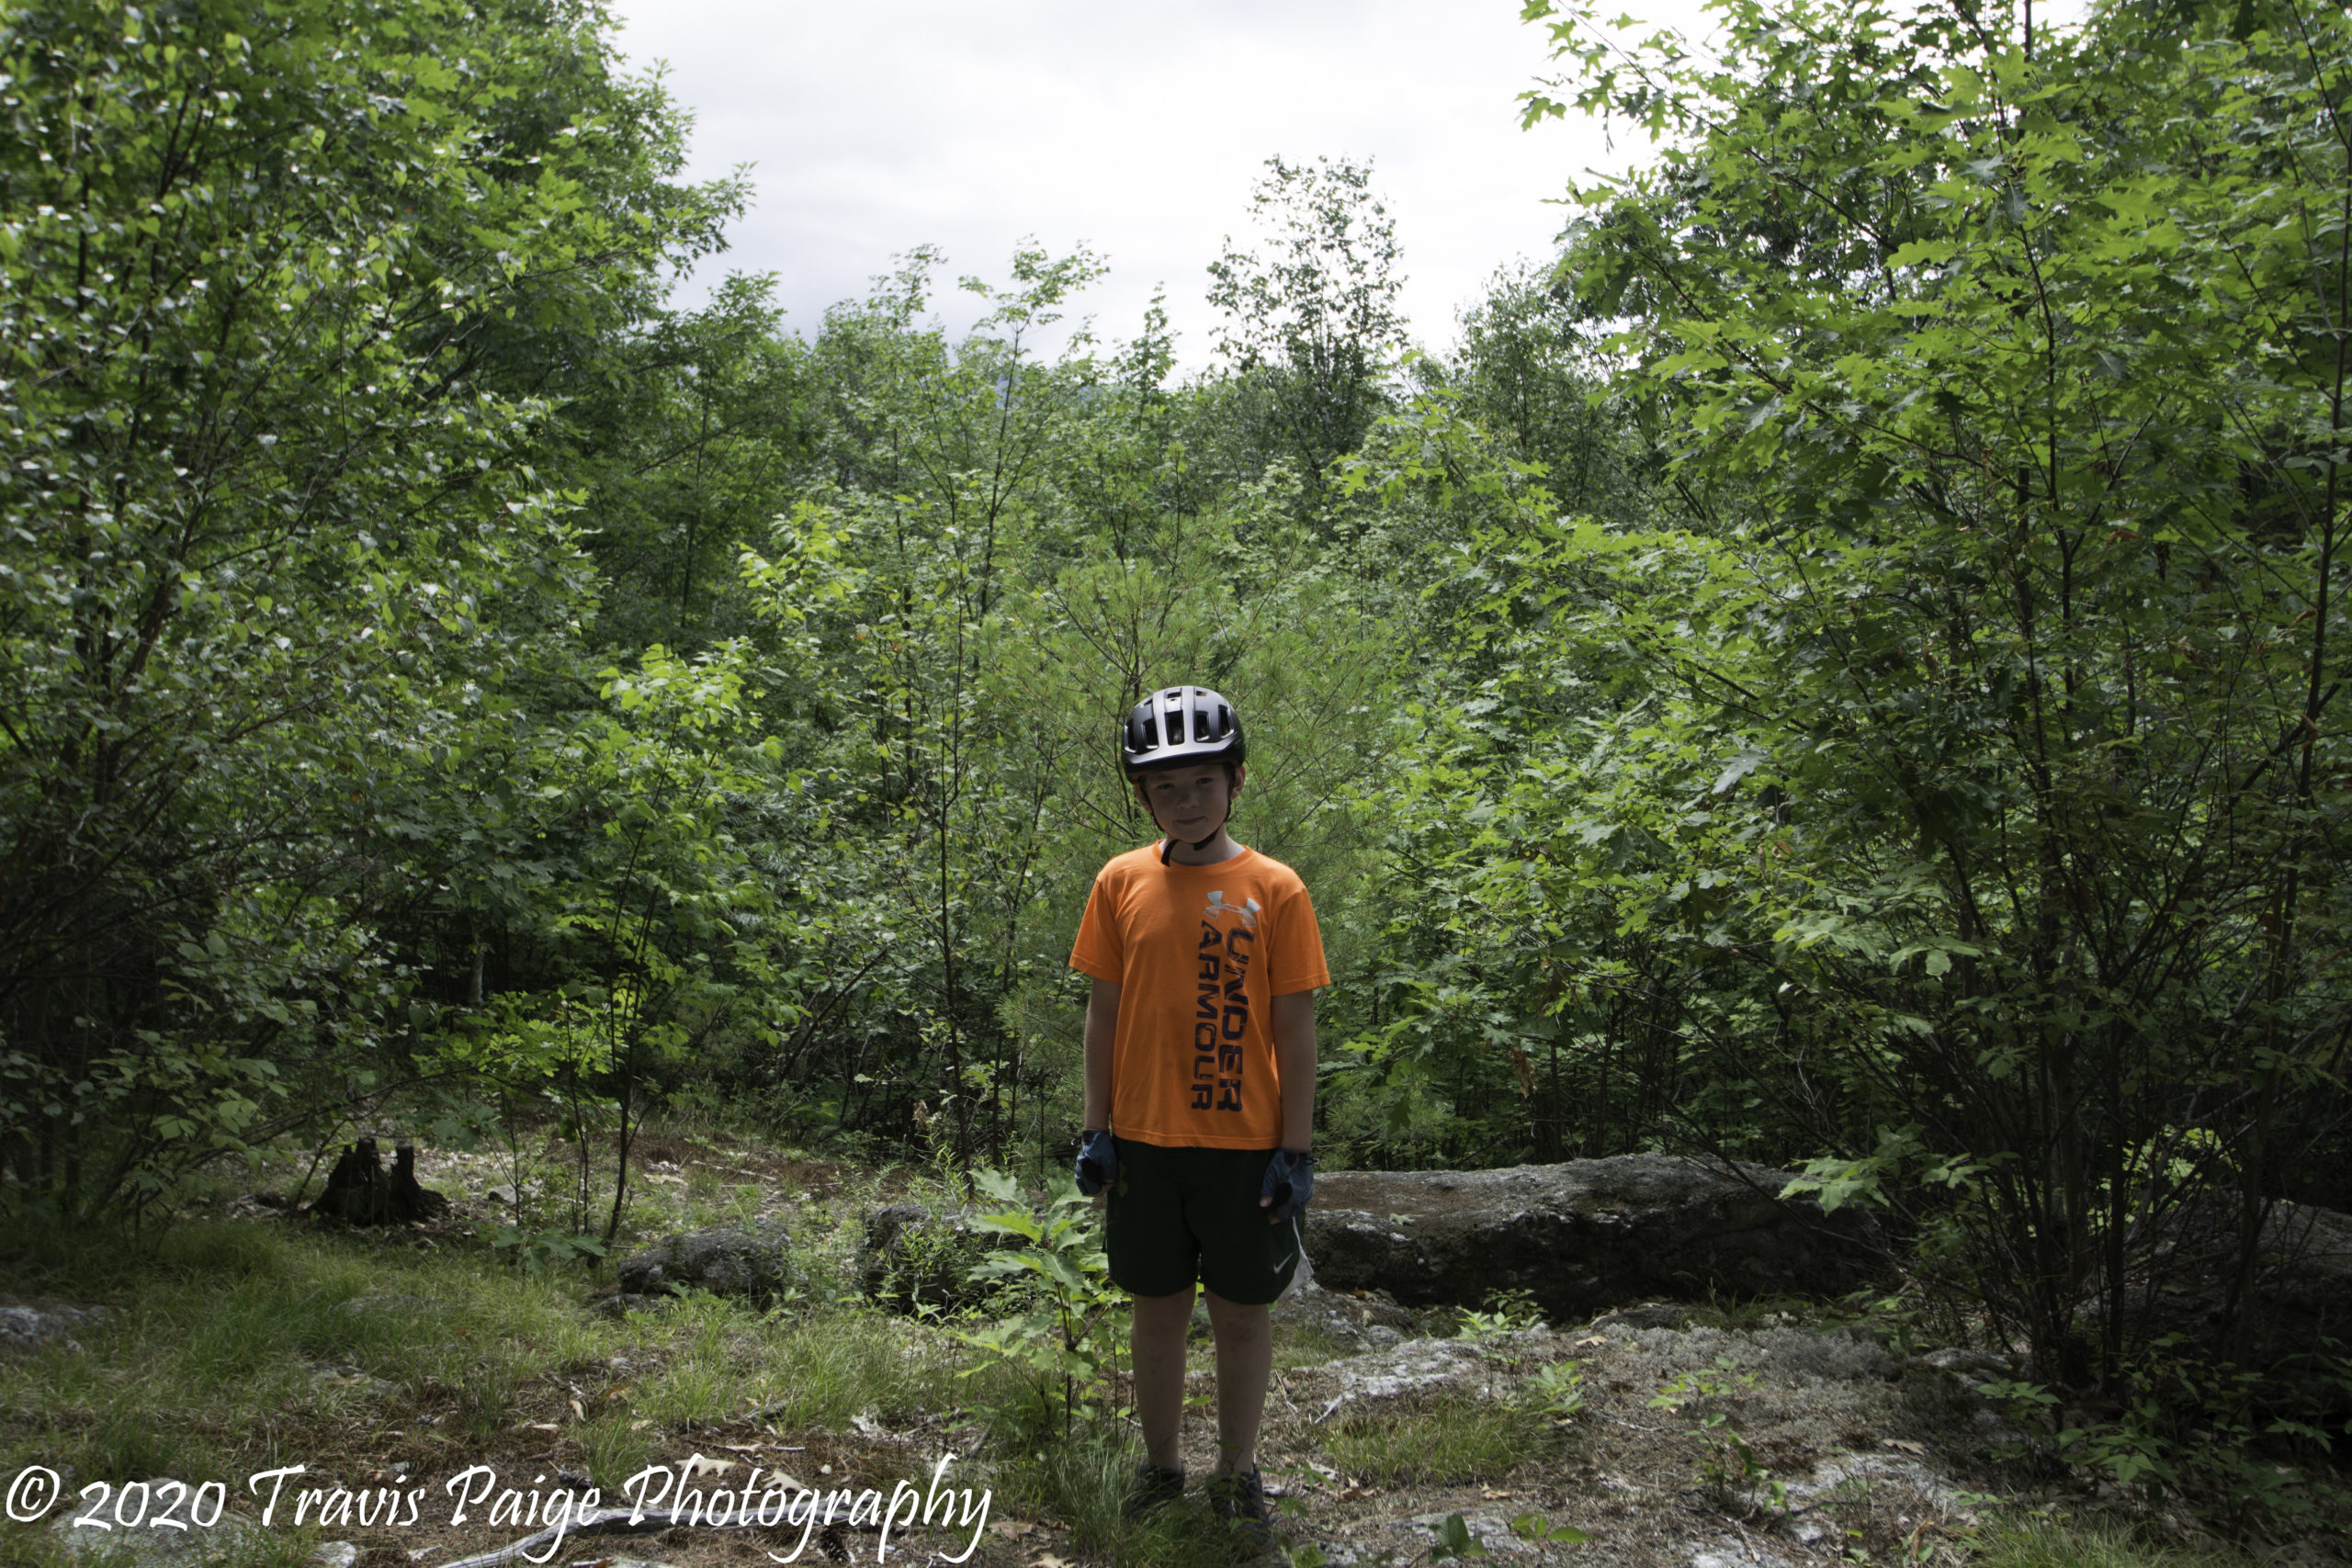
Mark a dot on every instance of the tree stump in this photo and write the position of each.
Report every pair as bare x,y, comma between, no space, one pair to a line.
360,1191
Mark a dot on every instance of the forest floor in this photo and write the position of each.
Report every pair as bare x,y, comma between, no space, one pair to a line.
241,1341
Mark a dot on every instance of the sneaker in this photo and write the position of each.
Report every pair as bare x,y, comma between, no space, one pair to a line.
1153,1488
1239,1499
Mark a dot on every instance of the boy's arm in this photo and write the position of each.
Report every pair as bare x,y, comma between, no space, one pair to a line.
1102,1030
1294,1059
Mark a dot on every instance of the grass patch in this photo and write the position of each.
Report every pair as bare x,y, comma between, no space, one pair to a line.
614,1447
1084,1484
1441,1442
1308,1345
2044,1543
228,1337
486,1390
228,1341
235,1344
823,1371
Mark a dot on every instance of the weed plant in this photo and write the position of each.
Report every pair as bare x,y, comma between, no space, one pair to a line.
1556,1391
1507,1313
2198,1434
1055,1323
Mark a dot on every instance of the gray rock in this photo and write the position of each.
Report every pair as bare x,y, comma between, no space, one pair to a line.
1835,1355
1646,1314
1347,1318
1487,1530
885,1226
1416,1367
1736,1554
234,1536
754,1263
1970,1365
2302,1291
1838,1472
1584,1236
26,1329
333,1554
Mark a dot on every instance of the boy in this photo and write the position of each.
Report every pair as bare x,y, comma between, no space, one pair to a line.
1200,1087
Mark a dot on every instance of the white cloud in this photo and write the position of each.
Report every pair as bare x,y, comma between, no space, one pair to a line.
1135,130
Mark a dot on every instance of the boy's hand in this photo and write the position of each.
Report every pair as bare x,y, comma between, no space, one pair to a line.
1290,1182
1098,1162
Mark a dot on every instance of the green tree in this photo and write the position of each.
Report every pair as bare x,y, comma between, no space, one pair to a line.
1020,548
1528,369
688,439
1989,773
286,287
1311,325
936,470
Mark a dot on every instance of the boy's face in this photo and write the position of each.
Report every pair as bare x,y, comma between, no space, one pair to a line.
1190,803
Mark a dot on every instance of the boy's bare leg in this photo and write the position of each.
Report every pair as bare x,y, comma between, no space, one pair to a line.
1157,1348
1245,1363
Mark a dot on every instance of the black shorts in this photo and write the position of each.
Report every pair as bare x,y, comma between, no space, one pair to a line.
1180,1215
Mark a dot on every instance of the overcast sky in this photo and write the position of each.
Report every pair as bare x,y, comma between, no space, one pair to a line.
1137,130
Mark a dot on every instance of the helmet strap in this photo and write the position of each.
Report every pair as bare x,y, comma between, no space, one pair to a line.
1170,847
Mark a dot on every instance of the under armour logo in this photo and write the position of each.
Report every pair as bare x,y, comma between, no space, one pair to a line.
1249,910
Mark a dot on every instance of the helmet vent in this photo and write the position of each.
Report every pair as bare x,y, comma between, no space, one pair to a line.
1181,727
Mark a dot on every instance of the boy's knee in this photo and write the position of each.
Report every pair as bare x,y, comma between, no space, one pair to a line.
1234,1318
1157,1313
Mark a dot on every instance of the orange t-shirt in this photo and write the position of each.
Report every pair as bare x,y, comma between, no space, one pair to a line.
1199,953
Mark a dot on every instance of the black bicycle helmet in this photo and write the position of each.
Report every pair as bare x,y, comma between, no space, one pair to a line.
1181,727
